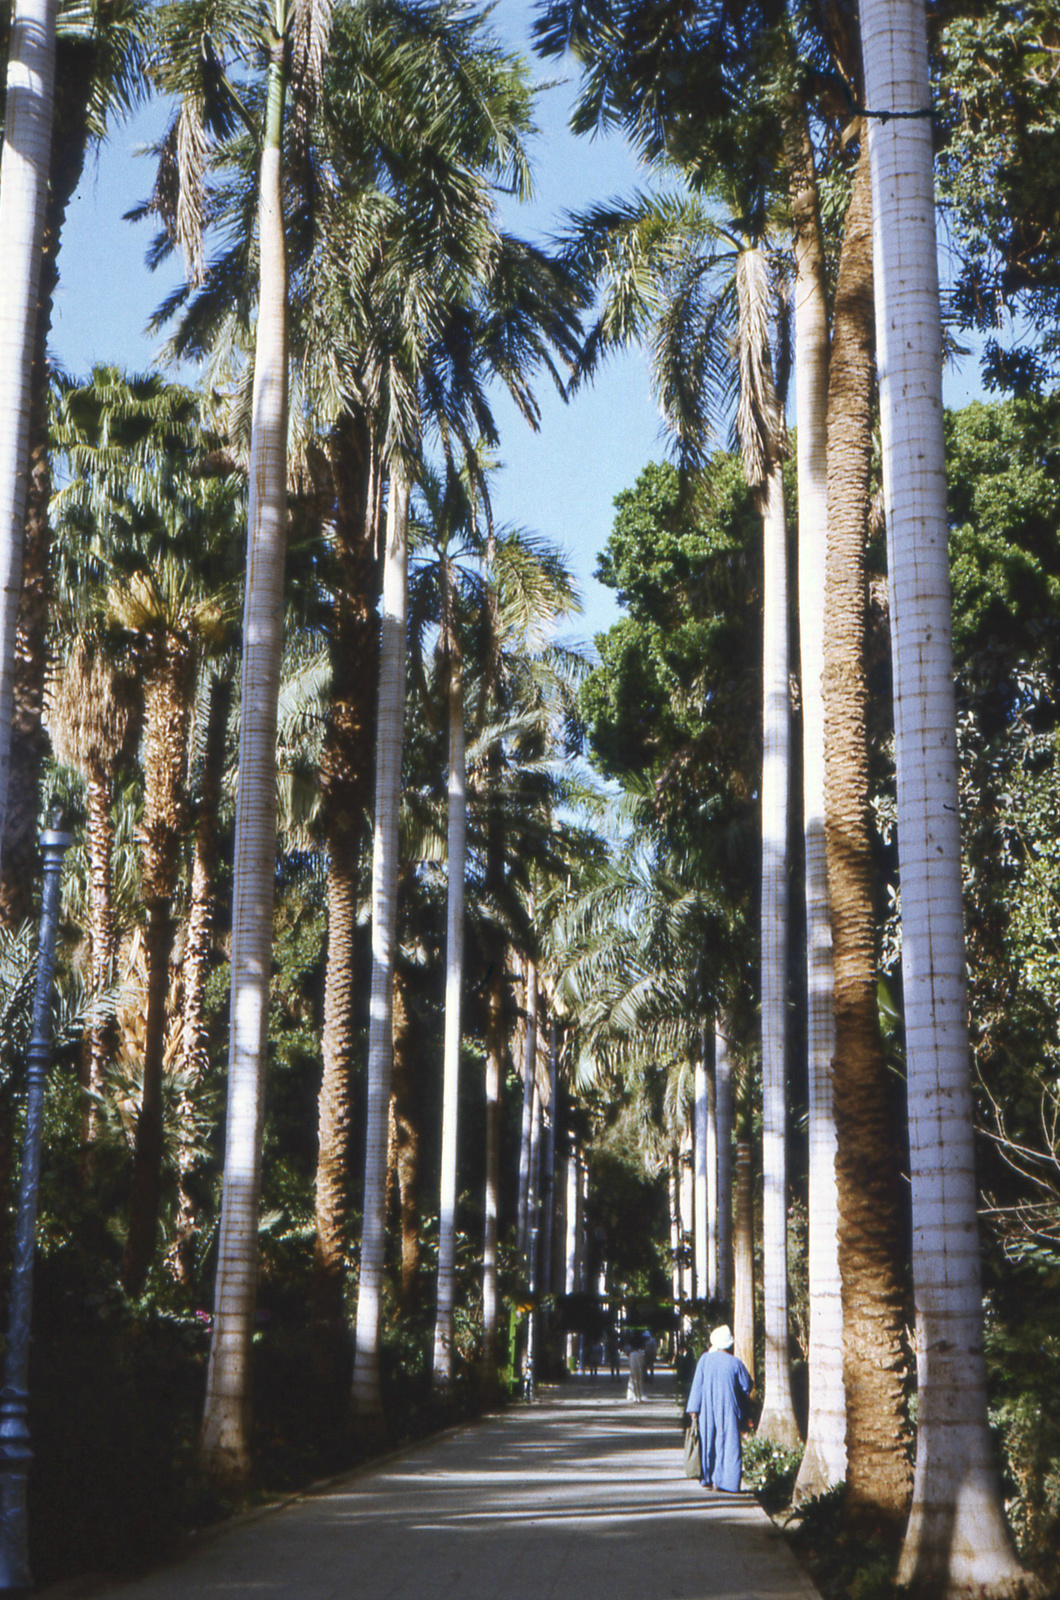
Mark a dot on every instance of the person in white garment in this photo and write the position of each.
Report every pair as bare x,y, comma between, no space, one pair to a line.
638,1363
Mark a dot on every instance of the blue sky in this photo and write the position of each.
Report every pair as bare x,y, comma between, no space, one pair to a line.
561,481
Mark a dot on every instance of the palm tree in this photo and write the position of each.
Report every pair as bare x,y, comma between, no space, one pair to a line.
191,62
161,527
824,1458
98,74
24,163
367,1395
957,1540
867,1165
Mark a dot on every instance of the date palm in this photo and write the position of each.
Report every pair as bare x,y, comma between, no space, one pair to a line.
161,528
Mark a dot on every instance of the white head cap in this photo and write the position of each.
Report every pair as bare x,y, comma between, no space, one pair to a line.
721,1338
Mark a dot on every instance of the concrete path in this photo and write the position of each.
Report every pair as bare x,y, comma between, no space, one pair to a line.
580,1496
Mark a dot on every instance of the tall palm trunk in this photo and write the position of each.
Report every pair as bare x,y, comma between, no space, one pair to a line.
526,1126
724,1104
406,1136
777,1421
167,710
198,949
99,843
454,982
490,1285
700,1142
224,1440
712,1178
743,1310
676,1281
867,1167
824,1458
346,788
957,1541
24,163
367,1394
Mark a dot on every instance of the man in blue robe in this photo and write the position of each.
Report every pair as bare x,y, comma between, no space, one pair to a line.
720,1390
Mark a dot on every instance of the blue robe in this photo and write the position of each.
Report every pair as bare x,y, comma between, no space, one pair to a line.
718,1394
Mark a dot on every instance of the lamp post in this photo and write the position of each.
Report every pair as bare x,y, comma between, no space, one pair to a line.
15,1453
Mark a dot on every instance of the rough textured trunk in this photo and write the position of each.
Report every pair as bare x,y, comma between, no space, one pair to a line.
224,1442
367,1394
406,1140
957,1541
345,781
102,938
867,1163
24,169
454,983
167,711
142,1240
777,1422
198,949
743,1311
824,1458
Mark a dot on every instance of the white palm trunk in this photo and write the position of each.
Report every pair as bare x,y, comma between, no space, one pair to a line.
957,1542
454,981
570,1253
712,1179
686,1207
224,1441
491,1208
723,1123
367,1395
824,1458
529,1073
777,1421
675,1234
548,1180
24,164
700,1139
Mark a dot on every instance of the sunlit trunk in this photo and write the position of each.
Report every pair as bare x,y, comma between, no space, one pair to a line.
367,1394
743,1312
454,978
957,1542
777,1421
529,1074
224,1454
724,1116
490,1286
824,1458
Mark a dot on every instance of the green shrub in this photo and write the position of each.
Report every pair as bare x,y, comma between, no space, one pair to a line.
770,1471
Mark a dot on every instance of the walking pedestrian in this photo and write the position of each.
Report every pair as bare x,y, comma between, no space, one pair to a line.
719,1394
637,1366
613,1360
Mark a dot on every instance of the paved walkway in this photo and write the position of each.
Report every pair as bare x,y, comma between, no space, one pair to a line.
578,1497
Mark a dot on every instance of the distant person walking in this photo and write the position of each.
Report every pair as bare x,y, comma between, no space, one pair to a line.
613,1359
637,1366
719,1394
650,1349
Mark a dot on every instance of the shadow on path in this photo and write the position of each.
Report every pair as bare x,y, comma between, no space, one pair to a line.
576,1497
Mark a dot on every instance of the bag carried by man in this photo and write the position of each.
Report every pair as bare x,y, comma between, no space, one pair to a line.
693,1459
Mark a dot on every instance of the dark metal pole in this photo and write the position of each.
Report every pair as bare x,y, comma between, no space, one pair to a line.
15,1453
